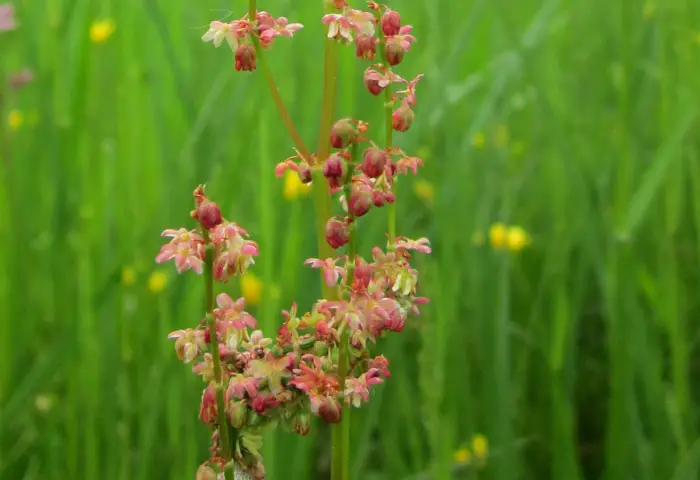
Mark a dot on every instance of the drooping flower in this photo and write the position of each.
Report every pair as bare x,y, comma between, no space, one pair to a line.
218,32
331,271
186,248
7,17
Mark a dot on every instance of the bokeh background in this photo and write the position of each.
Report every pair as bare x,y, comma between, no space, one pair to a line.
561,193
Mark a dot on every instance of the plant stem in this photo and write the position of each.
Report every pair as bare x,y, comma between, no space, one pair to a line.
224,441
388,124
252,10
279,103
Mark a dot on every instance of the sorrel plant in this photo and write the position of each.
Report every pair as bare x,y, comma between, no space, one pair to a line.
320,363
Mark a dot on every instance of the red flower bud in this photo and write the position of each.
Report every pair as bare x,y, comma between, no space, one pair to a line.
365,47
330,410
337,233
304,172
378,198
394,53
207,408
402,118
237,413
391,23
208,215
343,133
374,82
335,170
245,57
360,200
374,162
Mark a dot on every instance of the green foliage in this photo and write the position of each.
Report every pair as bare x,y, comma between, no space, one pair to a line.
577,120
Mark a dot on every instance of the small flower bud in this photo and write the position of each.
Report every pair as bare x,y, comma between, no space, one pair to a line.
360,200
374,82
337,233
245,57
394,53
335,170
330,410
302,424
378,198
208,215
343,133
365,47
402,118
391,23
207,408
374,162
304,172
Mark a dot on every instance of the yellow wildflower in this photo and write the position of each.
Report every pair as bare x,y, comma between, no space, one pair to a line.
424,190
516,238
462,456
478,140
251,289
44,403
128,276
157,281
15,119
480,446
101,30
648,10
293,186
501,136
497,235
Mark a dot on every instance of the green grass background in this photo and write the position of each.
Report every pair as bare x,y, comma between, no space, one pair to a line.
577,358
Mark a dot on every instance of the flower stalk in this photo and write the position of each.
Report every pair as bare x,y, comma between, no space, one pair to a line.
223,428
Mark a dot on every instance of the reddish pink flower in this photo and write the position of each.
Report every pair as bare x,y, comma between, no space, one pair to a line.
360,199
240,385
366,46
404,244
357,389
7,17
186,248
245,58
410,91
391,22
331,272
270,28
335,170
342,27
380,363
208,215
312,377
402,118
374,161
375,81
406,164
337,233
343,133
235,254
205,368
233,312
208,411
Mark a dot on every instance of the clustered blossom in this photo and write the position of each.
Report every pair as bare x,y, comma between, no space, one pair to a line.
240,35
287,379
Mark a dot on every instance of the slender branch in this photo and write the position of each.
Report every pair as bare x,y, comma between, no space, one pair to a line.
252,10
388,125
279,103
224,441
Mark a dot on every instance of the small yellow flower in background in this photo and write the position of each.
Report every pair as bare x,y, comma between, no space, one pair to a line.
157,281
480,446
293,186
251,289
501,136
15,119
424,153
517,238
101,30
128,276
648,10
424,190
478,140
497,235
462,456
44,403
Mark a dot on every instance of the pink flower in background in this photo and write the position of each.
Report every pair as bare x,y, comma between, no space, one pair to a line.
186,247
7,17
331,272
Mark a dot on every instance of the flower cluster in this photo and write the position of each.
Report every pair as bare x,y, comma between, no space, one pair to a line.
320,361
242,33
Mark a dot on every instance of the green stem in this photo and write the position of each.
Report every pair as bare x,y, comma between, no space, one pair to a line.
388,124
279,103
252,10
224,441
